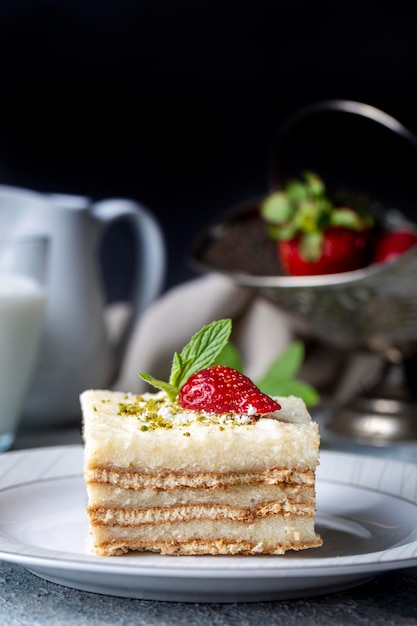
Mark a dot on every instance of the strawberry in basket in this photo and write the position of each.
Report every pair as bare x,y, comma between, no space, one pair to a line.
314,234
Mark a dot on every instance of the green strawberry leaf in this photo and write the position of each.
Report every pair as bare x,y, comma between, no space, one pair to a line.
296,190
307,216
311,246
315,184
282,233
324,211
348,218
277,208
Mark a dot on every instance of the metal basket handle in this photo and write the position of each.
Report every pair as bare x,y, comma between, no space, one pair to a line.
343,106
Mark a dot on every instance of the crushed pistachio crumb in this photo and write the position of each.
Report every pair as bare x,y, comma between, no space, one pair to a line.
127,409
186,434
155,411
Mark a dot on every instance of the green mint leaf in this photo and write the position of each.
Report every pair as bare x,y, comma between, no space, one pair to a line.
231,357
286,365
180,369
170,390
292,388
176,367
279,380
201,350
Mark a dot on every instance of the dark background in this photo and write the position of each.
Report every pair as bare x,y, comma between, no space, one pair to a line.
176,103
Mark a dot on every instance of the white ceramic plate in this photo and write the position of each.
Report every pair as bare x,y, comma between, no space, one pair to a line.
366,513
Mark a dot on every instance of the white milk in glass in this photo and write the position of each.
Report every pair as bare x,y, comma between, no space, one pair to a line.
21,315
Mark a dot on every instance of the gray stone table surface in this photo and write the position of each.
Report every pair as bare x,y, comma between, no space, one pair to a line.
26,600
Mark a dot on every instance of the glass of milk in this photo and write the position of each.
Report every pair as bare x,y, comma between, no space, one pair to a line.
23,264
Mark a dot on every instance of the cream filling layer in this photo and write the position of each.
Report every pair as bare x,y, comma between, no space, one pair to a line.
268,531
241,496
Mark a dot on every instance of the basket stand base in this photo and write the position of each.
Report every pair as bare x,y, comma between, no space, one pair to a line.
385,414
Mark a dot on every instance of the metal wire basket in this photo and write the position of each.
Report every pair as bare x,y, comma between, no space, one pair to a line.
374,308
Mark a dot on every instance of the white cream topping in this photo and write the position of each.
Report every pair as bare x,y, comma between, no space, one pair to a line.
194,441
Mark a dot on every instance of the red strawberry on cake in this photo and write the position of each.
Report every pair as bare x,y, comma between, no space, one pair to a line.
221,389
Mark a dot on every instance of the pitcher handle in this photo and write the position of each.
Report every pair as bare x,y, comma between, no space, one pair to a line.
150,250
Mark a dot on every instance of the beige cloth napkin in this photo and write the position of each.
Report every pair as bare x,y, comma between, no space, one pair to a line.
260,330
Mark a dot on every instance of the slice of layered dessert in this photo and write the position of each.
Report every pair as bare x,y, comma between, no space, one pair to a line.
207,466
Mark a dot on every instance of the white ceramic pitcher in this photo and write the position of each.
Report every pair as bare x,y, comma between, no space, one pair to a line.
76,352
